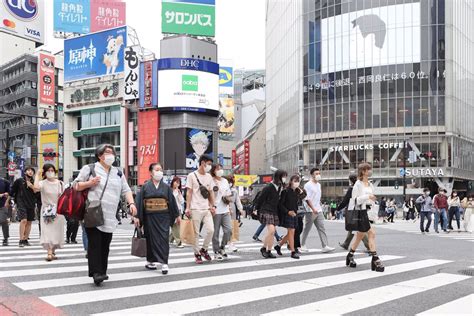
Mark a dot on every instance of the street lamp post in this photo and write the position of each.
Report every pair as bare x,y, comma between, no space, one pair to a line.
404,170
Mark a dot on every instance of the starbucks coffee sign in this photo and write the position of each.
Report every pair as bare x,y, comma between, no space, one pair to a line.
422,172
351,147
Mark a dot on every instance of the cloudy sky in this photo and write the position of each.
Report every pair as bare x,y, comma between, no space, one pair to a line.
240,29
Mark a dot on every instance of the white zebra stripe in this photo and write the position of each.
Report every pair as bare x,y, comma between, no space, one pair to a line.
463,306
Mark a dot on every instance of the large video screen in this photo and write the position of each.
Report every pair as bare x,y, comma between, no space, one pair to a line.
371,37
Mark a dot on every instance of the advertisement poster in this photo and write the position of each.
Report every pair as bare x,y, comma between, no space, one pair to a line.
23,19
226,80
193,17
132,68
226,119
198,143
49,142
95,55
148,84
106,14
79,97
46,80
246,156
72,16
147,147
186,84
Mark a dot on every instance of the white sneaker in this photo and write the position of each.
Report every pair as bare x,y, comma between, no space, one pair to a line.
304,249
218,257
232,248
328,249
164,269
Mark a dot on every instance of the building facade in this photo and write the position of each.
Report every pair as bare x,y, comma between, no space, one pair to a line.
385,82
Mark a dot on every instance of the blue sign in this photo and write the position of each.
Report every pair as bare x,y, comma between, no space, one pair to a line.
220,158
95,55
226,77
72,16
23,10
402,172
188,64
11,155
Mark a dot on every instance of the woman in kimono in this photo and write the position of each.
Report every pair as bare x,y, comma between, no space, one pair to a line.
157,211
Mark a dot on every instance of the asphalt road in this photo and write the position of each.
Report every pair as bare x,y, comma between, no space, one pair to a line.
423,272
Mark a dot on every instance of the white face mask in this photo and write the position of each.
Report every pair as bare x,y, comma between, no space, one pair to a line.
296,184
428,193
50,174
317,177
454,194
109,159
208,168
157,175
219,173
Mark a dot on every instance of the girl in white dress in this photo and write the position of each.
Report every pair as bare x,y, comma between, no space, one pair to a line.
52,224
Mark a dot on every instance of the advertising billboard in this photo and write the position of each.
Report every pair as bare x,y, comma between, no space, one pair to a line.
46,80
198,143
49,144
186,84
132,68
226,80
148,87
371,37
23,18
86,16
79,97
106,14
72,16
148,138
95,54
193,17
226,120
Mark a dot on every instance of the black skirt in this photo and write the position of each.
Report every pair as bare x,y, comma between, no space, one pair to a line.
289,221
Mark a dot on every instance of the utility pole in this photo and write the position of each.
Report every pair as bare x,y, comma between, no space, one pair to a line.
404,170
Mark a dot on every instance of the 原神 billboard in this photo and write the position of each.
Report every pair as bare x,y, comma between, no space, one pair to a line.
23,18
198,143
95,55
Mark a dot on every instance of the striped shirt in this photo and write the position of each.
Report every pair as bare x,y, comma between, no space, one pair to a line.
116,187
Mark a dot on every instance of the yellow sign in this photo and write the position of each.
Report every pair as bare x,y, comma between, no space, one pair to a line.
244,180
48,145
226,118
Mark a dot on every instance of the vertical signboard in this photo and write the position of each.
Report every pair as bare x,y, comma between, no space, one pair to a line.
193,17
148,91
198,143
46,79
132,67
95,55
226,80
226,119
131,144
106,14
148,136
148,81
246,156
23,18
72,16
234,158
49,144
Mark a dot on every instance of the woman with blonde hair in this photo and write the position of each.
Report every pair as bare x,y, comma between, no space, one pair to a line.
362,199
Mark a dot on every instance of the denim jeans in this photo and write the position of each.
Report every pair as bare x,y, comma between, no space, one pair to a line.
424,215
85,241
261,228
440,215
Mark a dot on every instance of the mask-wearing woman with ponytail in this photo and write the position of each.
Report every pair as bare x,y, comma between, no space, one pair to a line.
157,211
52,226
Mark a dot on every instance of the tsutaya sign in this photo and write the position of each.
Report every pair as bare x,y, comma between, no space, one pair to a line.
352,147
423,172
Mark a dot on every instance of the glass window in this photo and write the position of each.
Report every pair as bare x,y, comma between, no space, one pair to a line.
115,119
95,119
85,121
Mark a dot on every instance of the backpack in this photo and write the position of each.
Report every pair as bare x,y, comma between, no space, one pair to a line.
72,203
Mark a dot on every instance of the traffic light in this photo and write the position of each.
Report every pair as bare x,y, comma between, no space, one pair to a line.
396,185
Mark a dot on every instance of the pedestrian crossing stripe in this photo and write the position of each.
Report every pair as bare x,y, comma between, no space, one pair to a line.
227,299
463,304
128,276
369,298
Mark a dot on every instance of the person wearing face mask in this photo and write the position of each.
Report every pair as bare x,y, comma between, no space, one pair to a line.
288,207
52,232
426,209
25,199
178,196
454,204
267,210
200,206
157,211
440,203
106,184
222,218
316,216
468,205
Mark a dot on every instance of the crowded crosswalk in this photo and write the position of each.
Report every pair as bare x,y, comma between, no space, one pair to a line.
272,287
413,228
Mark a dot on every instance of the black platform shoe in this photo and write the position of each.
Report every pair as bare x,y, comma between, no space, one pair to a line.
350,262
376,263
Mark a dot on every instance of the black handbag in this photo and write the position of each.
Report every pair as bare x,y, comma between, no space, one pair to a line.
138,244
94,216
352,218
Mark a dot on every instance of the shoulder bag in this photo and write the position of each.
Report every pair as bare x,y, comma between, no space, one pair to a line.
94,216
204,191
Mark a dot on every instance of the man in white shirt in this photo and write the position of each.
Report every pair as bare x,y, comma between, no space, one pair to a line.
200,206
316,216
